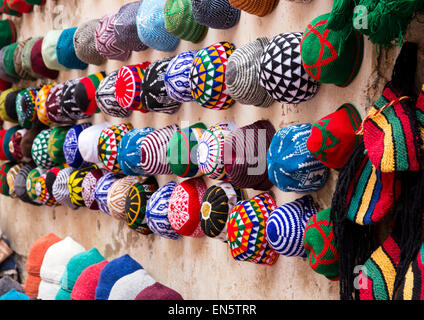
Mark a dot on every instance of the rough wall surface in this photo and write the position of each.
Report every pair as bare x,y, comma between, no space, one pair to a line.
197,268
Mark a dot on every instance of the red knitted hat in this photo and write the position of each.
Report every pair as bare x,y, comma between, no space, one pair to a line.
86,284
2,154
19,5
85,92
37,62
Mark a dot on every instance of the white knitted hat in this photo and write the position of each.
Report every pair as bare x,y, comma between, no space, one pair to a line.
129,286
87,141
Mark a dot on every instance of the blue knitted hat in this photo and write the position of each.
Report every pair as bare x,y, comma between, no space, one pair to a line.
129,152
286,225
102,188
216,14
14,295
151,26
65,51
70,147
291,167
112,272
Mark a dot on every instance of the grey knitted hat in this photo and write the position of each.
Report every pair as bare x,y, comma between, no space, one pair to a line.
85,43
7,284
216,14
242,76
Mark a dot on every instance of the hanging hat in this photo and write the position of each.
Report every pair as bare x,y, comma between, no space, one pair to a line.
47,192
69,106
291,167
85,43
4,169
26,58
85,92
48,50
217,203
333,138
37,62
106,100
89,186
75,184
246,149
4,112
8,65
177,77
106,42
153,92
70,146
151,26
184,207
88,141
39,150
40,104
7,284
210,150
3,74
329,57
66,50
180,22
31,183
136,203
15,145
17,61
6,10
61,189
85,286
8,32
182,151
154,151
207,76
27,143
158,291
6,140
20,184
40,188
246,230
216,14
11,176
102,190
56,143
157,212
127,287
19,5
25,107
125,28
259,8
129,151
55,112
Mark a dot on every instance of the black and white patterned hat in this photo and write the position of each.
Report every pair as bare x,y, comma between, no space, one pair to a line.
281,71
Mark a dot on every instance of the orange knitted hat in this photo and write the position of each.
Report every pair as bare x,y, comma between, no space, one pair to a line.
257,7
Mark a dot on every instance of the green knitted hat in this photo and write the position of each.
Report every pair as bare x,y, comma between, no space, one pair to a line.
4,169
55,144
31,183
7,32
26,57
6,140
36,2
39,150
180,22
328,56
8,64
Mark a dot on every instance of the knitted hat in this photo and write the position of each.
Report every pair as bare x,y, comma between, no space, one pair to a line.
180,22
136,202
129,151
177,77
85,92
6,10
117,194
70,146
106,42
13,295
158,291
61,189
19,5
281,72
54,265
20,183
102,190
7,284
125,28
105,98
329,57
37,63
85,43
11,176
66,50
257,7
25,107
207,76
27,143
74,267
320,246
112,272
35,259
241,75
246,230
75,184
7,62
88,141
48,50
291,167
216,14
46,195
24,73
246,149
7,137
27,58
56,143
55,111
32,182
89,186
4,169
68,104
210,151
8,32
40,104
184,207
129,286
217,203
151,26
182,151
153,92
2,154
128,86
8,105
39,150
333,138
3,74
85,286
36,2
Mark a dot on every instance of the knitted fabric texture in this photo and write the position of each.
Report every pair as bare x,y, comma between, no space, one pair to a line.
56,113
66,51
27,143
7,137
8,65
25,107
39,150
75,184
4,169
23,73
68,105
70,146
61,189
32,182
7,284
130,285
26,58
102,190
2,154
88,141
40,104
85,43
11,176
216,14
55,144
85,92
86,284
8,32
38,64
20,183
8,105
3,74
14,295
19,5
47,193
158,291
89,186
257,7
48,50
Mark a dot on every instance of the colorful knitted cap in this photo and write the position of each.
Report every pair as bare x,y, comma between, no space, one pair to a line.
66,52
320,245
257,7
56,113
217,203
27,142
89,186
85,43
8,65
281,72
6,140
48,50
291,167
61,189
184,207
327,56
207,76
154,151
37,62
6,10
127,287
216,14
102,190
56,143
180,22
31,183
8,32
23,72
105,98
68,106
106,42
3,74
153,92
107,148
125,28
4,186
85,92
85,286
136,203
11,176
151,26
157,212
70,146
246,231
8,105
20,184
333,138
129,151
182,151
158,291
210,150
75,184
40,104
88,141
39,150
19,5
128,86
47,193
25,107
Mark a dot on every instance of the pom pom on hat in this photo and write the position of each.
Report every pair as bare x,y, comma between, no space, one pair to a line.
55,144
89,186
66,51
85,92
37,62
48,50
70,146
11,176
85,43
61,189
259,8
85,286
102,190
40,104
216,14
39,150
158,291
88,141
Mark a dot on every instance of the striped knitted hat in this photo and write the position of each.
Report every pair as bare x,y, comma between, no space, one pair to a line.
11,176
88,187
85,92
8,32
246,230
102,190
37,62
85,43
61,190
65,50
7,62
216,14
25,107
48,50
151,26
39,150
180,22
68,103
75,184
207,76
88,141
4,186
184,207
31,184
40,104
257,7
56,143
70,146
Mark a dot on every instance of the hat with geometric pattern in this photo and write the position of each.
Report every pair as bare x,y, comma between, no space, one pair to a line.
102,190
61,190
88,141
70,146
85,92
68,103
17,61
54,107
31,183
40,104
51,176
55,144
39,150
20,184
85,43
65,50
27,142
4,186
89,186
15,146
75,184
25,107
11,176
216,14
